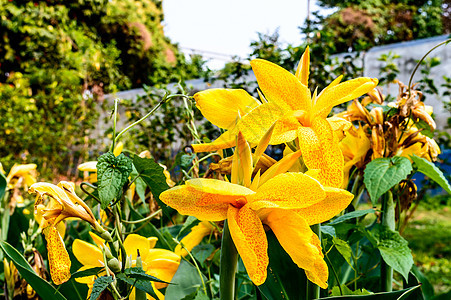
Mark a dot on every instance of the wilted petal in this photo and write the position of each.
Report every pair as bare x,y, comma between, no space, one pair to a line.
59,260
289,190
206,199
280,86
256,124
222,106
342,93
336,200
249,237
320,150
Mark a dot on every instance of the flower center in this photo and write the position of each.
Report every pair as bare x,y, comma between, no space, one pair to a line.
303,117
239,202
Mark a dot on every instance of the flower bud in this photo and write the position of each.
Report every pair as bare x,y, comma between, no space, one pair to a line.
114,265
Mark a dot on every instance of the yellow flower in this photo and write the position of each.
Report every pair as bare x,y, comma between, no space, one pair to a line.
293,110
27,172
63,203
159,263
193,238
273,204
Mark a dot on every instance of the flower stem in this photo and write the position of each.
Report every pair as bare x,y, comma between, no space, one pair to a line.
387,221
227,269
313,289
114,124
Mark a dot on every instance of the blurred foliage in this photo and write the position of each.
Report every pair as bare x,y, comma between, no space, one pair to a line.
58,58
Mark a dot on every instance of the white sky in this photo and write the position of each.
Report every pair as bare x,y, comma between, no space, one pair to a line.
229,26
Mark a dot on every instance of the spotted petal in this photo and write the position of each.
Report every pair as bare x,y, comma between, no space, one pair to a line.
280,86
320,150
336,200
59,260
206,199
249,237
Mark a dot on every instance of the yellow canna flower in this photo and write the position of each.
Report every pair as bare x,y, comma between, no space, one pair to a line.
90,170
293,110
193,238
273,203
159,263
27,172
63,203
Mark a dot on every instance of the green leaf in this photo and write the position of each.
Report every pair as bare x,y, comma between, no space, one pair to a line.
285,280
406,294
344,249
153,176
351,215
142,285
395,251
87,272
329,230
382,174
186,160
186,281
44,289
112,174
189,223
138,273
3,185
100,284
202,252
430,170
426,286
348,291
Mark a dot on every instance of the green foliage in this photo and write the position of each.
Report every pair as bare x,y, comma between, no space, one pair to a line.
382,174
100,284
42,287
186,282
430,170
112,174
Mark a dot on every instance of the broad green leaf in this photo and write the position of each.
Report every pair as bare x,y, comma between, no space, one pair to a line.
186,160
426,286
395,251
329,230
351,215
406,294
152,174
344,249
138,273
202,252
87,272
430,170
100,284
112,174
44,289
382,174
186,281
3,184
347,291
143,285
285,280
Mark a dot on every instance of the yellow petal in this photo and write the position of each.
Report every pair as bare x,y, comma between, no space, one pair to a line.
118,149
193,238
97,239
339,126
44,188
206,199
163,269
280,86
280,167
303,69
59,260
320,150
135,242
244,160
85,279
224,141
335,201
294,236
89,166
320,272
87,254
256,124
249,237
289,190
342,93
152,241
154,254
222,106
20,170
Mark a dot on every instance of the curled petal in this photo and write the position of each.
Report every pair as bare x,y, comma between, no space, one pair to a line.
193,238
342,93
335,201
224,141
288,190
222,106
320,150
339,126
256,124
135,242
303,69
249,237
163,269
319,273
280,86
59,260
89,166
206,199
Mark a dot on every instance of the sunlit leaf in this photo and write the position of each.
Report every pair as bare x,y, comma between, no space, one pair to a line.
430,170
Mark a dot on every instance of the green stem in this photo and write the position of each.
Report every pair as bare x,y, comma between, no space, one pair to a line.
313,289
143,219
387,221
356,191
227,269
421,60
114,124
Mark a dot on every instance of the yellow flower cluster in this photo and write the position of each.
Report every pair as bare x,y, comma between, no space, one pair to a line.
286,202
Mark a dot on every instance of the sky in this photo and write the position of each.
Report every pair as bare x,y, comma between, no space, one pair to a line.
228,26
